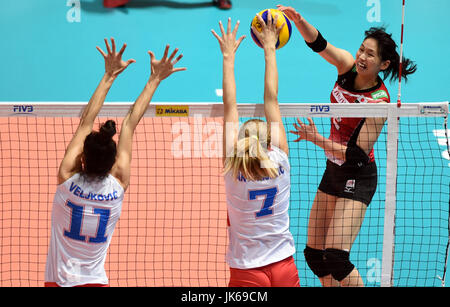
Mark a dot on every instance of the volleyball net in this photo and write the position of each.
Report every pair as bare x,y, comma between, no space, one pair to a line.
173,227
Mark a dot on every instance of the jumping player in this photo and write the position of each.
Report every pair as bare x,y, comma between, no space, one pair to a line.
93,177
257,176
350,178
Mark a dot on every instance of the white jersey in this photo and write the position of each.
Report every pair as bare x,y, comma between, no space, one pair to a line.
258,217
84,216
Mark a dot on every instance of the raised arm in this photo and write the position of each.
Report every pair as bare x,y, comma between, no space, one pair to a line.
228,46
268,38
160,70
368,135
114,65
340,58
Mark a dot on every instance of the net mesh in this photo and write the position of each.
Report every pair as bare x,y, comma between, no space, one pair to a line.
173,227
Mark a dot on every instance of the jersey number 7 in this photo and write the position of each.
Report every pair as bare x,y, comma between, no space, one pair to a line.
268,200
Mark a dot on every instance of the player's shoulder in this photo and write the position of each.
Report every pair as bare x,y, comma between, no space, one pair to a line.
278,155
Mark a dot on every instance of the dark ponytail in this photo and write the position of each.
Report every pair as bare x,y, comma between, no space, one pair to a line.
100,151
108,130
387,51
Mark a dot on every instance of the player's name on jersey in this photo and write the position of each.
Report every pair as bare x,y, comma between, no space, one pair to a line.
79,192
240,177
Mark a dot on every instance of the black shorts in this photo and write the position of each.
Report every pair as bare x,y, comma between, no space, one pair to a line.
349,182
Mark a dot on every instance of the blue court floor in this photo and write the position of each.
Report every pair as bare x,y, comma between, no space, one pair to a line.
48,48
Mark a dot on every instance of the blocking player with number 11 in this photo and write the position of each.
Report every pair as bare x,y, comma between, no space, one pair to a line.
93,177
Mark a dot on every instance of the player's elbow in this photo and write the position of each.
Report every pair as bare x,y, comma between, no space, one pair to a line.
130,123
271,96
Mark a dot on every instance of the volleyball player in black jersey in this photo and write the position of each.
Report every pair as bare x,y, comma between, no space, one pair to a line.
350,178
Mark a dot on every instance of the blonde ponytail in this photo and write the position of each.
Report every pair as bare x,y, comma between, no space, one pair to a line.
249,157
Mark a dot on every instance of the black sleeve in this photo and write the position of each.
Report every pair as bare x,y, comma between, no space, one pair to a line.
347,78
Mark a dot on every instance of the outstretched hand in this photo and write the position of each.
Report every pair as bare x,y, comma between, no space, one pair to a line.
161,69
290,12
305,132
114,64
228,43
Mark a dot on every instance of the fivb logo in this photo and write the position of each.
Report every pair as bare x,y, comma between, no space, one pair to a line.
25,109
317,109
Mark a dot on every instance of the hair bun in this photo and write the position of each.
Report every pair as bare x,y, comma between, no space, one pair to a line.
108,129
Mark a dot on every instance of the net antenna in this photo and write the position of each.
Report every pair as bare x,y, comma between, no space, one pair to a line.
401,58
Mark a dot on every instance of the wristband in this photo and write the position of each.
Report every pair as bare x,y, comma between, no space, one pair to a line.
319,44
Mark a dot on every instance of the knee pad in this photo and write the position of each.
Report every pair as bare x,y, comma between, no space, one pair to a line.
316,261
338,263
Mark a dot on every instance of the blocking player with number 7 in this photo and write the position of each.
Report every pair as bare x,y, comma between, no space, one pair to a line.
256,175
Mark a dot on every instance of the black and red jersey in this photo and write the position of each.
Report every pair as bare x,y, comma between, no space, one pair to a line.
344,92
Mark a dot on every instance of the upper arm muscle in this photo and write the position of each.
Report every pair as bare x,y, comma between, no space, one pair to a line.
121,168
340,58
71,162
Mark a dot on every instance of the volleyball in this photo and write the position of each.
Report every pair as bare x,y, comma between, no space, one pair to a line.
285,32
